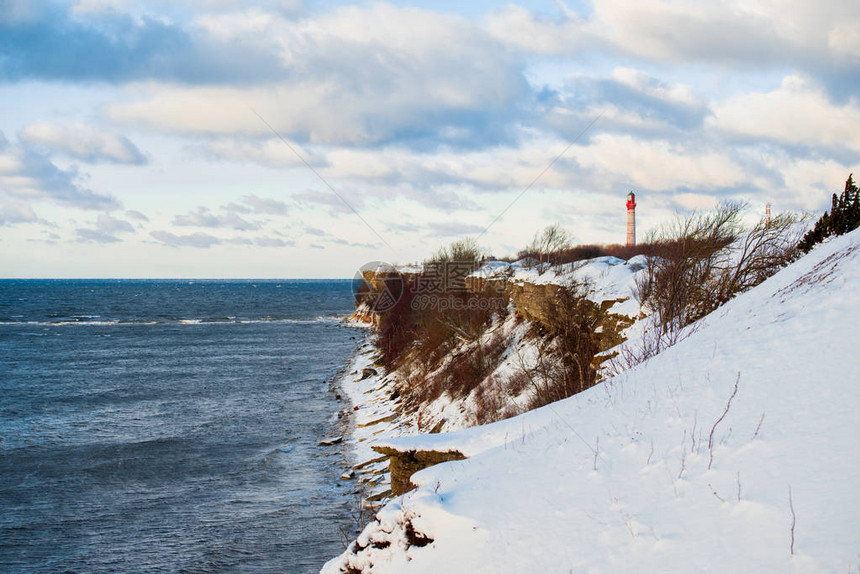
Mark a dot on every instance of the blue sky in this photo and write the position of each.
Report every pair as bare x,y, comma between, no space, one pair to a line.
131,144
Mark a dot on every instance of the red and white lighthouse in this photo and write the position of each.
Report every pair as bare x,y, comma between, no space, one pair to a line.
631,219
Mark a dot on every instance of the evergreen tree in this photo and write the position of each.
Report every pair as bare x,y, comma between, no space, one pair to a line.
844,216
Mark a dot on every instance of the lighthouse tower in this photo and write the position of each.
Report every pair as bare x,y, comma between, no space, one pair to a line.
631,219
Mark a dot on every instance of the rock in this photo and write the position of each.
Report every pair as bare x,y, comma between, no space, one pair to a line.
438,427
366,373
403,464
331,441
348,475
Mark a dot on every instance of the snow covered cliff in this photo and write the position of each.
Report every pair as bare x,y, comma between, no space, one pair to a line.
733,451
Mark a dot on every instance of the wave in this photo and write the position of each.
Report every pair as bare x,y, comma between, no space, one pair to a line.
79,321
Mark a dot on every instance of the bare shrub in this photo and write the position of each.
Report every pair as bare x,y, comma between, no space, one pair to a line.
654,340
516,384
547,243
490,402
706,259
467,369
464,250
396,326
759,253
674,284
435,317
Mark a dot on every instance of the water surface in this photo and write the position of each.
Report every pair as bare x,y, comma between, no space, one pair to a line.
170,425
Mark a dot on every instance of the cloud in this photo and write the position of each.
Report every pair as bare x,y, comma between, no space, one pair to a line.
269,151
238,241
519,27
344,242
106,230
273,242
96,236
25,173
136,215
620,162
451,229
257,205
217,6
627,101
198,240
357,76
48,41
48,238
82,142
315,231
265,205
110,224
335,204
203,217
720,32
18,212
797,113
820,38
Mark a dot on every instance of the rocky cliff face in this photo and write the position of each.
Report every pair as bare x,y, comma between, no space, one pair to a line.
517,355
534,302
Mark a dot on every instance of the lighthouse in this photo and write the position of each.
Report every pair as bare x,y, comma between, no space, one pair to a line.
631,219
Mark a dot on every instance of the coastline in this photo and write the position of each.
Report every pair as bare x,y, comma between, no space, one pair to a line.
371,414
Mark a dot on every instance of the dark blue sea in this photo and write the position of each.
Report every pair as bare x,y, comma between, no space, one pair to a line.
171,426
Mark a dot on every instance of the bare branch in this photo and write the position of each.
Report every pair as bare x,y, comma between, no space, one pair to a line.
719,420
758,427
793,519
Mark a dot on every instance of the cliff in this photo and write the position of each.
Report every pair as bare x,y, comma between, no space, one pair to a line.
729,451
511,363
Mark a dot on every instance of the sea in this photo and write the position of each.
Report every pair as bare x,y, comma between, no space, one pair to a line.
172,426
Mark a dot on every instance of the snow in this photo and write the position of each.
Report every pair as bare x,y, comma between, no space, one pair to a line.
373,418
609,278
617,478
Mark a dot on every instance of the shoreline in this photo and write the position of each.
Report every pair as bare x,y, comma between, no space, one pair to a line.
371,414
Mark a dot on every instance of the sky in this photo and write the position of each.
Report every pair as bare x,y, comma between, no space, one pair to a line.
301,139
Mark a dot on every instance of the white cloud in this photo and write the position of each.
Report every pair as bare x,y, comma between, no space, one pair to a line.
265,205
96,236
844,40
28,175
17,212
94,6
82,142
203,217
657,165
136,215
356,76
807,183
797,113
273,242
109,224
735,32
270,151
106,230
519,27
453,229
199,240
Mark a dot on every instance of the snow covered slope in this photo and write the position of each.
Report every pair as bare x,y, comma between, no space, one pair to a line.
737,450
